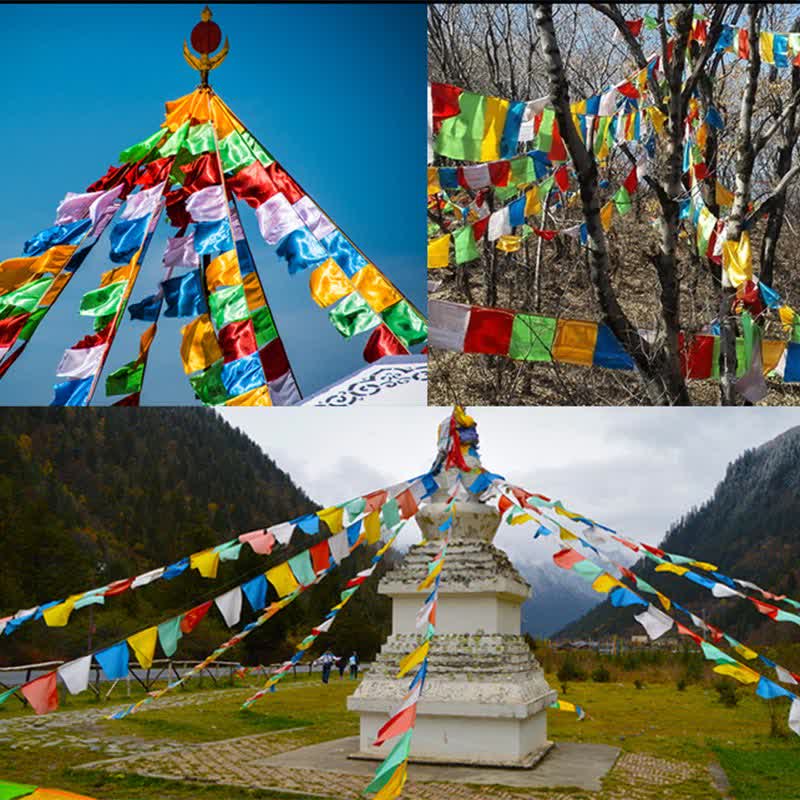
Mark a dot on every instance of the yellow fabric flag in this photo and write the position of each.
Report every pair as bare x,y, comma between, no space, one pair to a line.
672,568
508,243
741,673
15,272
393,788
665,601
333,518
439,252
787,315
199,347
724,197
205,562
372,527
772,351
53,291
575,342
494,120
765,47
223,122
414,658
520,519
606,215
253,292
427,582
705,565
55,259
116,275
658,118
223,271
462,418
282,578
328,283
190,105
434,187
375,289
255,397
702,135
532,203
605,583
744,651
58,616
143,645
737,260
565,534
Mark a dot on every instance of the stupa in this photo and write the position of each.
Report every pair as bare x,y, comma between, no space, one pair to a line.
485,696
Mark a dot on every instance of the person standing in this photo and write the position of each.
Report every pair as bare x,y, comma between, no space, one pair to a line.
341,663
327,660
353,662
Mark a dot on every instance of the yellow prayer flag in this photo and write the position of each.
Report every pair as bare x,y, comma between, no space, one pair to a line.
462,418
282,578
658,118
439,252
702,136
606,215
253,292
672,568
737,260
705,565
565,534
605,583
223,122
143,645
205,562
520,519
665,601
116,275
532,203
427,582
255,397
765,47
434,187
223,271
16,272
55,259
393,788
54,290
371,284
328,283
494,120
333,518
372,527
744,651
509,243
575,341
199,347
414,658
741,673
787,315
58,616
723,196
772,351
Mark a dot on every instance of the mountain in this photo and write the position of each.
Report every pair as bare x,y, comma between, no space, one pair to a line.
749,528
89,497
556,599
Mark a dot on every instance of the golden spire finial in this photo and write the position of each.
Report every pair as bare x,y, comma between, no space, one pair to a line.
205,38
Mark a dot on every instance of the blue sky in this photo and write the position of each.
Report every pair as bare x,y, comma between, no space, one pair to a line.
335,93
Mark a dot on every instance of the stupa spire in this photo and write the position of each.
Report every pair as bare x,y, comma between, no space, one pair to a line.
205,38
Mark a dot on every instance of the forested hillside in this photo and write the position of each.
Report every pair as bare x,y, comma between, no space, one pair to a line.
749,528
88,498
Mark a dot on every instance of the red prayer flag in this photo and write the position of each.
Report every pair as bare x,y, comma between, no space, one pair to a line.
716,633
488,331
743,44
700,171
321,556
176,208
202,172
682,629
631,182
656,551
94,339
6,365
500,172
238,339
131,400
765,608
10,328
479,228
567,558
375,500
503,504
118,587
273,360
382,342
562,178
191,619
629,90
408,505
399,723
445,102
696,357
634,25
751,298
124,174
42,693
558,152
154,173
548,236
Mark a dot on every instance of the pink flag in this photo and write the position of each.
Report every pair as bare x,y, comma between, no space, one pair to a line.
312,216
261,541
142,204
276,218
42,693
208,205
180,252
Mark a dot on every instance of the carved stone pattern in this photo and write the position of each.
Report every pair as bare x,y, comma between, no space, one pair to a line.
374,382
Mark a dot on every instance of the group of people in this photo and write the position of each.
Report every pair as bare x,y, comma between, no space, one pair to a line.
328,659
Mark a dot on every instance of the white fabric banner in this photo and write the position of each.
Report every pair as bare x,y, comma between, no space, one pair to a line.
208,205
655,622
276,218
142,204
230,606
75,674
447,325
340,549
312,216
80,363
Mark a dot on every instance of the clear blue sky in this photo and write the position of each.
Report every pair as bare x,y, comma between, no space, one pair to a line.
335,92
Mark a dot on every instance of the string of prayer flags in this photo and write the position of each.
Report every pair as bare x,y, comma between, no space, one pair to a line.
20,791
565,705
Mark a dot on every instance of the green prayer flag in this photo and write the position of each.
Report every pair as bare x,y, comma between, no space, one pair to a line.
234,152
461,136
466,247
796,328
545,187
126,380
356,507
200,139
522,170
395,758
587,570
544,137
650,23
169,634
264,326
208,385
101,322
353,315
505,193
751,338
138,151
4,696
104,301
405,323
302,568
32,323
27,297
12,791
390,513
228,304
603,125
740,358
347,593
622,200
175,142
258,151
532,338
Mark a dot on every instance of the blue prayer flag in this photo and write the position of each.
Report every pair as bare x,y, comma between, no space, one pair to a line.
792,372
256,592
448,177
114,661
71,233
72,393
242,375
245,257
768,689
516,212
621,597
353,532
510,137
127,236
301,250
608,352
308,524
343,253
212,237
146,309
173,570
184,295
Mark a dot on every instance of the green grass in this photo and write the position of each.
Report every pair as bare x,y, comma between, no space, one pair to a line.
690,726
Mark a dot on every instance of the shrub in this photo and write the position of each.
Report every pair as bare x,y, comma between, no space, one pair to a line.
728,694
601,674
639,683
570,670
682,683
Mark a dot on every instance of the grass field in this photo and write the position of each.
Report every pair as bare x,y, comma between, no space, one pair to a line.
691,727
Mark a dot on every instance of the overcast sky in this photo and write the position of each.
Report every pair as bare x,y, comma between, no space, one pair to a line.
636,470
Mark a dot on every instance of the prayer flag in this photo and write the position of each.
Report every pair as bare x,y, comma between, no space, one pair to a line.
414,658
184,296
213,237
75,674
143,645
255,591
277,218
302,568
329,283
191,619
205,562
230,606
169,634
42,693
375,288
228,304
242,375
282,578
114,661
199,347
405,323
353,316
